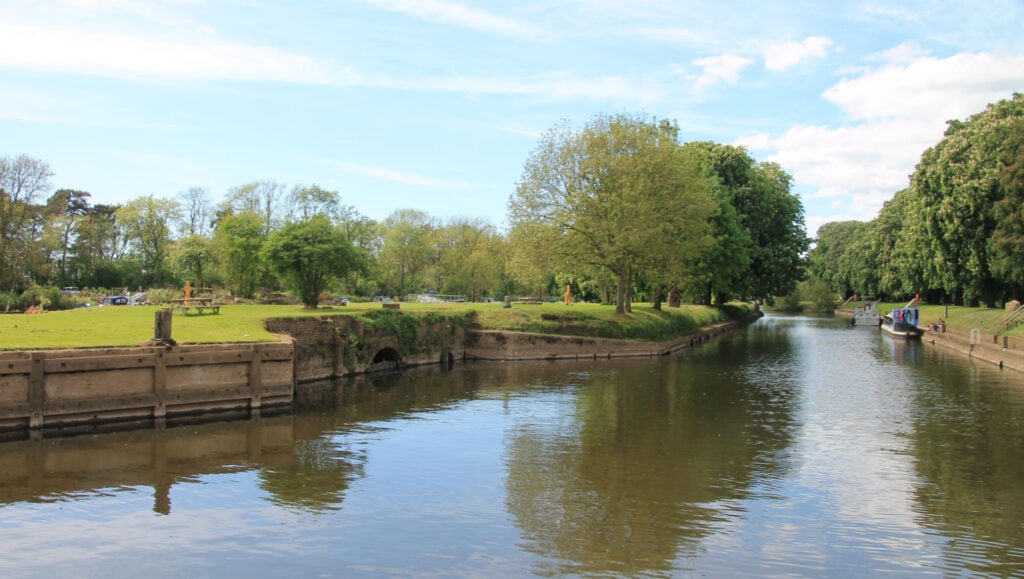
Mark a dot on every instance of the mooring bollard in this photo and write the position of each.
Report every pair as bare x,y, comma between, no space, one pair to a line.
162,328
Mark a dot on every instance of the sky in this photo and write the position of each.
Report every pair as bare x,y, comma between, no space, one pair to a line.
437,104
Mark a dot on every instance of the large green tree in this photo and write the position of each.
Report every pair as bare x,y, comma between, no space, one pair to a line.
470,261
770,214
407,249
306,201
261,199
309,256
958,185
1008,237
827,261
193,256
720,273
617,195
774,216
196,212
22,180
147,224
65,209
98,248
240,241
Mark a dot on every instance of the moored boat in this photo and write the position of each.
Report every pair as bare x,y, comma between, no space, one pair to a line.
902,323
866,316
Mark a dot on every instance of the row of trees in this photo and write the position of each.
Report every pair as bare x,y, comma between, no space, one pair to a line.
618,209
955,235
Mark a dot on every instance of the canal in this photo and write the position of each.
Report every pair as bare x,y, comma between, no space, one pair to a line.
794,446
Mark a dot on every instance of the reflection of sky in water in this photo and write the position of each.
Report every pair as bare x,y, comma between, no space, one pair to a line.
849,503
446,487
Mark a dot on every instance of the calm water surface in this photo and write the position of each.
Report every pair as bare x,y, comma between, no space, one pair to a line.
797,446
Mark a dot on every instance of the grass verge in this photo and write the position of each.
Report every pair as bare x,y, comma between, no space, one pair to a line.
133,325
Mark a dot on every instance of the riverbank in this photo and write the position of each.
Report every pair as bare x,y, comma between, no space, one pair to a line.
972,332
1002,351
84,387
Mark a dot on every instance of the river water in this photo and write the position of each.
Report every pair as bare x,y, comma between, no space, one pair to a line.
796,446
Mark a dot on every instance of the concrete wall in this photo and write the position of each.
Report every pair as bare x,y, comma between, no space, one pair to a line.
40,389
1003,351
335,346
67,387
501,345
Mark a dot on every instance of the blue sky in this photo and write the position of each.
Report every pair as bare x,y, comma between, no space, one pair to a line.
436,104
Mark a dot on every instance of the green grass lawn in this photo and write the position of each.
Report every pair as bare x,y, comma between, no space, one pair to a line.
114,326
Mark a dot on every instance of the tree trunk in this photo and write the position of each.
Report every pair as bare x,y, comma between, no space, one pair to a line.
674,298
629,290
656,299
620,295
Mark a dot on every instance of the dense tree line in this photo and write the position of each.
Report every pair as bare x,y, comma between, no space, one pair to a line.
955,235
619,210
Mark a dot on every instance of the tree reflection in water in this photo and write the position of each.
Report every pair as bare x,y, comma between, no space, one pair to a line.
648,459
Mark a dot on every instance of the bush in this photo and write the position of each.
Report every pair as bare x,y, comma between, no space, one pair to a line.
45,298
821,295
790,303
8,301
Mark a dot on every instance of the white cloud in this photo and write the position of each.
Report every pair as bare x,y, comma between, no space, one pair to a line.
555,86
674,35
135,55
385,174
901,54
184,53
518,129
930,89
785,55
724,68
870,159
898,111
461,15
32,107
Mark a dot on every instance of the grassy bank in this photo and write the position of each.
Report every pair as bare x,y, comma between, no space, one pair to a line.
133,325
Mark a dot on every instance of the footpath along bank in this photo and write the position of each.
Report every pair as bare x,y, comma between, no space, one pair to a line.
82,389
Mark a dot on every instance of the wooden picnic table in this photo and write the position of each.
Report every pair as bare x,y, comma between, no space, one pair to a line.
529,300
200,305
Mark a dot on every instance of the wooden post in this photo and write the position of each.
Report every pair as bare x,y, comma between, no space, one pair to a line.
508,302
255,376
162,329
37,390
160,383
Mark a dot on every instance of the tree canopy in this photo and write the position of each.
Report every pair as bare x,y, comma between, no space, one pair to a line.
957,232
617,195
309,255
